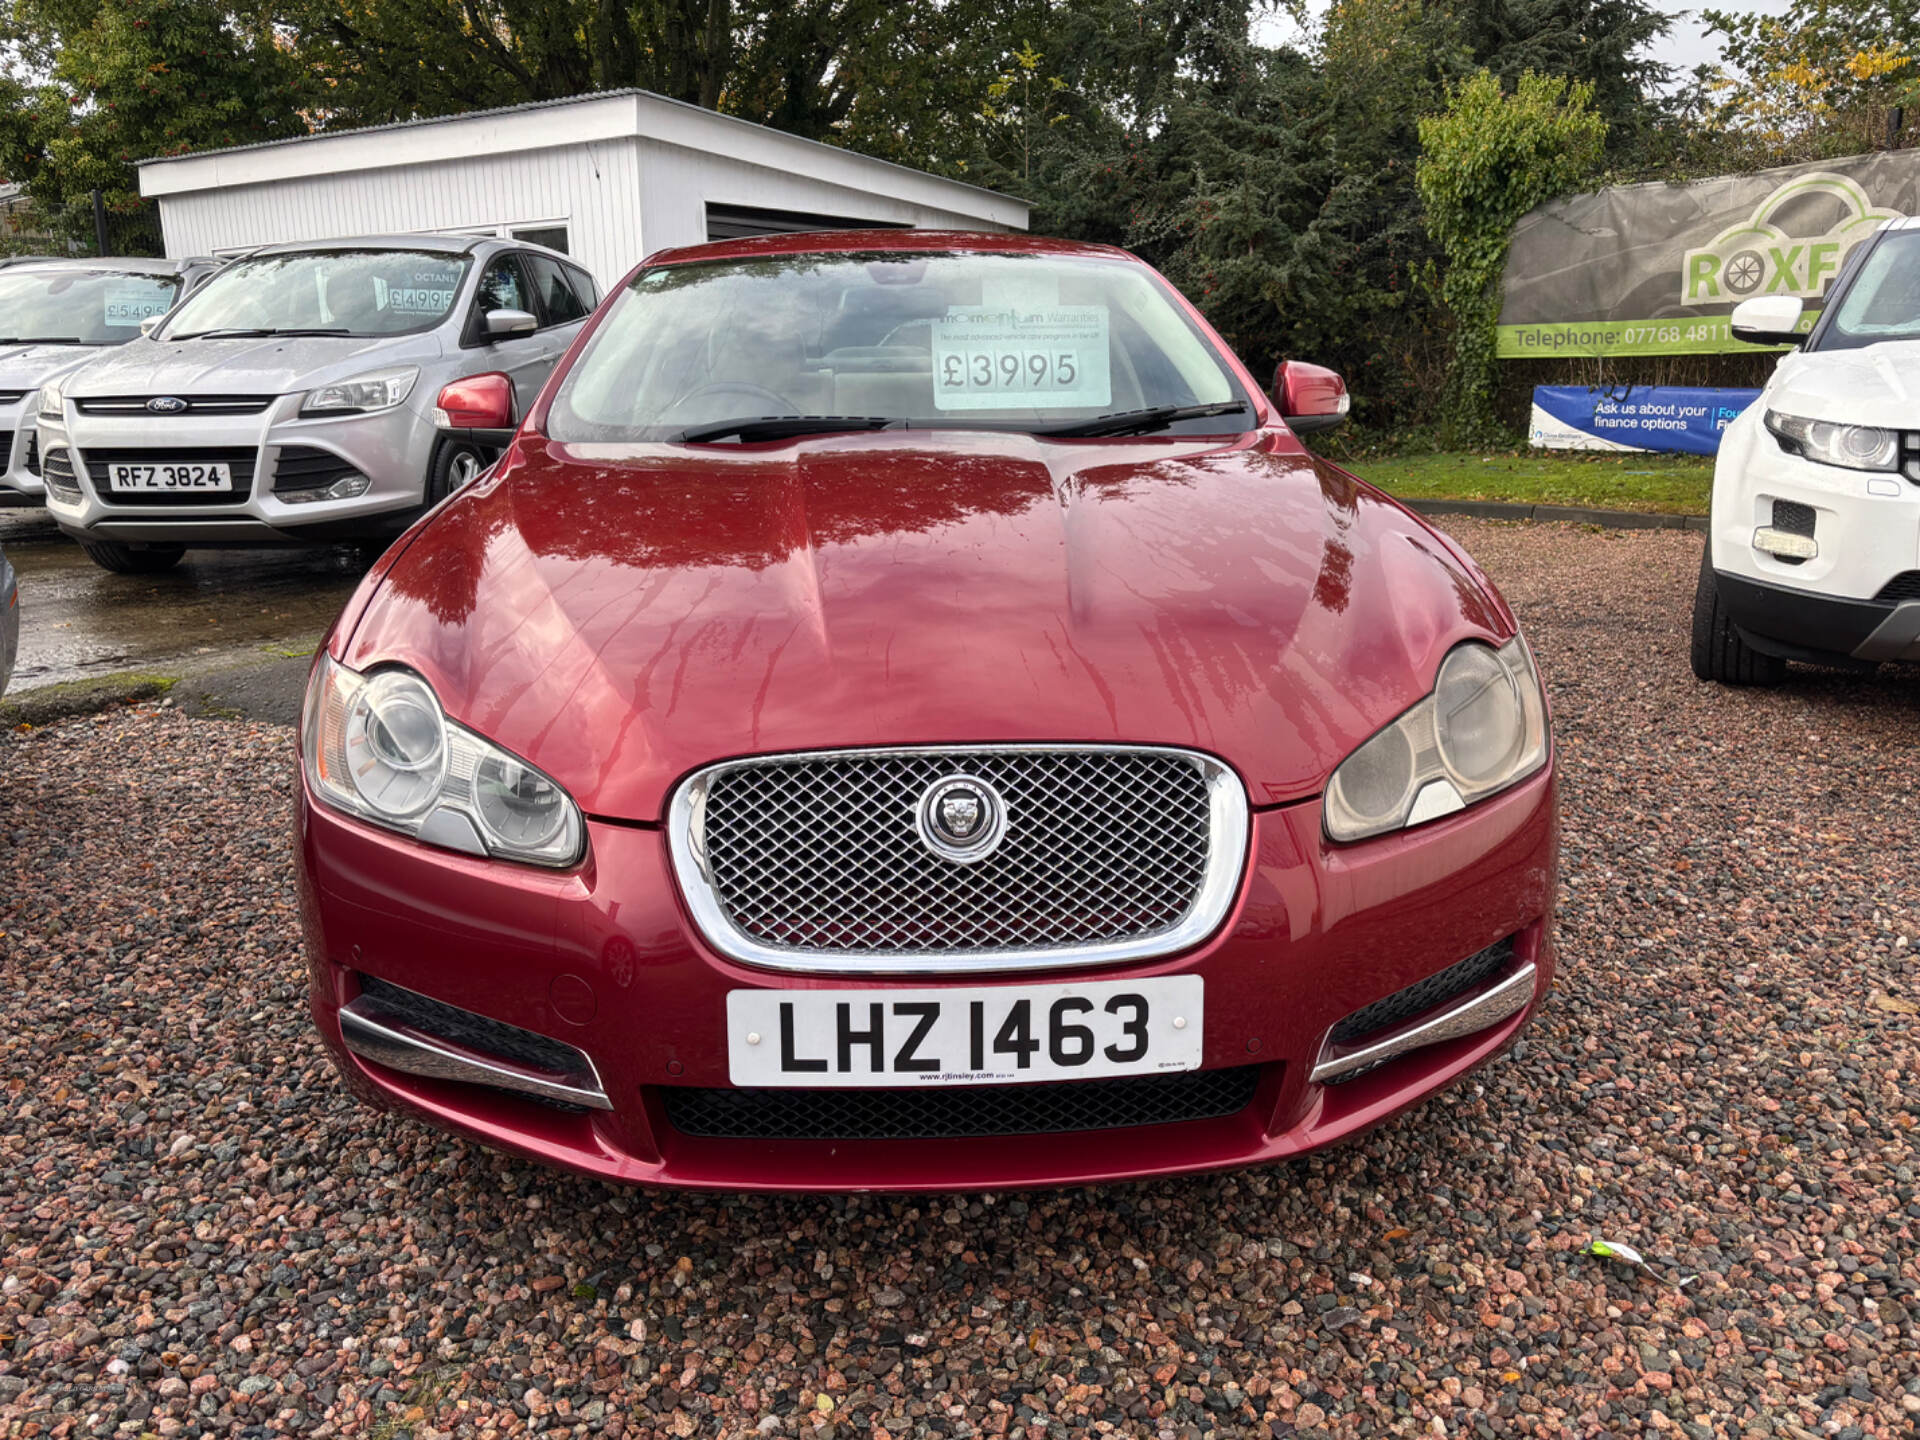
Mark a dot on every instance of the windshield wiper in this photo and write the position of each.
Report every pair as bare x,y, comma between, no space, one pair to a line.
257,333
41,340
780,427
1138,422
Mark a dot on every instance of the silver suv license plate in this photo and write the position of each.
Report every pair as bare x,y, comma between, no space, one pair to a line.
964,1035
170,477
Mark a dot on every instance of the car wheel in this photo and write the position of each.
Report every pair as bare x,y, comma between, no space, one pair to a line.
455,463
1719,653
126,560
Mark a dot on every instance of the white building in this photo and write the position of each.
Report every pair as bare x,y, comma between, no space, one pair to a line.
609,178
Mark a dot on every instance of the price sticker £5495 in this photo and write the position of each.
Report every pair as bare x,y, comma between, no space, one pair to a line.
996,358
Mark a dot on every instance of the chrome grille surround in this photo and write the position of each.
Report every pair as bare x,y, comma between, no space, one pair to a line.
812,861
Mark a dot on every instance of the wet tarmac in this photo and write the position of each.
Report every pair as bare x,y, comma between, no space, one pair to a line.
77,621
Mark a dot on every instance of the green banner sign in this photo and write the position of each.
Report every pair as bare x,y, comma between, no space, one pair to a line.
1709,335
1656,269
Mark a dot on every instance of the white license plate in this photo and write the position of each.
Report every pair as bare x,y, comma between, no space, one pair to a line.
964,1035
170,477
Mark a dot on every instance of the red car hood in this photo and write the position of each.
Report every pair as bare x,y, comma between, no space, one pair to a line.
620,616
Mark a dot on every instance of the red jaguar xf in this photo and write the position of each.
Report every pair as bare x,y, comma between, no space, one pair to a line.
907,713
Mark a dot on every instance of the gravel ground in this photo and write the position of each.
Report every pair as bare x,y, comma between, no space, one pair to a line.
201,1235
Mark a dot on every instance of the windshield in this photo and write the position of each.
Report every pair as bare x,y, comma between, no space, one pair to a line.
1026,342
80,307
329,292
1883,303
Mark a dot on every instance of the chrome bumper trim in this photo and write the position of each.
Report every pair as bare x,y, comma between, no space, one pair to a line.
374,1035
1489,1007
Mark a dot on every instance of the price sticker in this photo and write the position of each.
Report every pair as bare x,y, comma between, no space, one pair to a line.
125,306
1002,358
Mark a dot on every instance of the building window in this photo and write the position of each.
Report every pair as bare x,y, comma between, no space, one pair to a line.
553,237
736,222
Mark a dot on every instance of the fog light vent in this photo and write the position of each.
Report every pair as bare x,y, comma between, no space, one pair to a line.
1794,518
1790,537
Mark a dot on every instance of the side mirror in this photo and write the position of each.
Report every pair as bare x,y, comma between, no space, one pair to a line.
149,325
1768,320
502,323
479,402
1310,397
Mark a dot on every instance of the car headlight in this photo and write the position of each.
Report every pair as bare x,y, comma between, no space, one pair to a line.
379,746
53,401
380,390
1856,447
1483,728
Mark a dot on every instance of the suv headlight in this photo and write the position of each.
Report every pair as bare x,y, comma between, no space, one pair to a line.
379,746
53,401
1856,447
1483,728
379,390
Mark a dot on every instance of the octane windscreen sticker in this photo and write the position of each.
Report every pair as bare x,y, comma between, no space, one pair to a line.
125,306
998,358
424,293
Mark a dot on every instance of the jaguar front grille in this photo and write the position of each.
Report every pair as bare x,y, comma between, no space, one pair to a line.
826,861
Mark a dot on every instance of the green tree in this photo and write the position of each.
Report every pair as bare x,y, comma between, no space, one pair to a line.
1829,77
1604,44
139,78
1485,162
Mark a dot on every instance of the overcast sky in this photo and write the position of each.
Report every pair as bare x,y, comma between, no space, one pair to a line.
1683,48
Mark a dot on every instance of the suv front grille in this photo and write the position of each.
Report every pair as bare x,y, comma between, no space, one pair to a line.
189,405
960,1112
240,460
6,448
817,862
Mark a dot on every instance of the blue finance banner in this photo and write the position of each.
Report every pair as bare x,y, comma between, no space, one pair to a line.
1683,419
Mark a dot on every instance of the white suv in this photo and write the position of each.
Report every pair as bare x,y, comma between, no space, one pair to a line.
1814,547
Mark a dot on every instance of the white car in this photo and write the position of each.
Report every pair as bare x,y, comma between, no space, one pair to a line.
55,316
1814,548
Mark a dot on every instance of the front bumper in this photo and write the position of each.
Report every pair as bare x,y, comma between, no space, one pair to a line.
606,960
392,448
1800,624
17,448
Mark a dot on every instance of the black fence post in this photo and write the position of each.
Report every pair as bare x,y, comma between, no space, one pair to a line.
99,223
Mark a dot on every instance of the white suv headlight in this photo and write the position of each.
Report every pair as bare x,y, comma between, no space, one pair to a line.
53,401
380,747
1856,447
378,390
1483,728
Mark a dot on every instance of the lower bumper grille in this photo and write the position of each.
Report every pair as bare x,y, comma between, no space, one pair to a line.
412,1033
1401,1006
302,468
1904,586
240,461
964,1112
59,475
1473,995
33,453
463,1027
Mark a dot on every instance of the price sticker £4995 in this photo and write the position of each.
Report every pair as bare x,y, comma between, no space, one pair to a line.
995,358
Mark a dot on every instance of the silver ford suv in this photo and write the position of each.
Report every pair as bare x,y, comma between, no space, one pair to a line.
55,316
316,392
